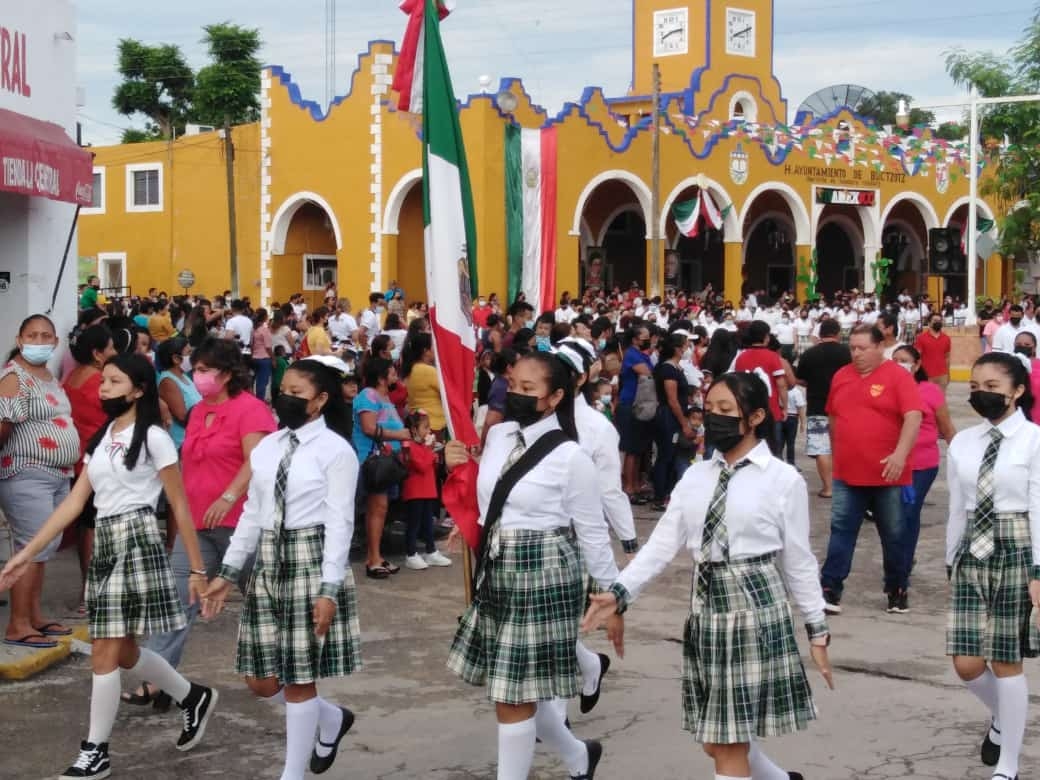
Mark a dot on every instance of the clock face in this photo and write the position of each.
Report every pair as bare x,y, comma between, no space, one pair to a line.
740,32
671,32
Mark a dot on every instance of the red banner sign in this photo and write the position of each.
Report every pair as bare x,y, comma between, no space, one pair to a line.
842,197
38,158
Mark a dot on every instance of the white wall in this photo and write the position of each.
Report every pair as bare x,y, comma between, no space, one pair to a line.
33,231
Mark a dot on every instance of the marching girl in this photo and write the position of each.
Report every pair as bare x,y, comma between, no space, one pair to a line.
518,636
300,619
130,588
993,550
744,516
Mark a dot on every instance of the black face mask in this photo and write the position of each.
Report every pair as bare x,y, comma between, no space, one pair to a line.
523,409
1015,321
116,407
1024,350
992,406
644,345
292,411
722,432
936,326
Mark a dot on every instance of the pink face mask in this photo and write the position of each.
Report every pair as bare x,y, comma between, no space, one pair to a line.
207,384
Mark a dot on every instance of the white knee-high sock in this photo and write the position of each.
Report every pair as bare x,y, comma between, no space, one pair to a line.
985,689
588,662
301,724
515,749
1013,704
730,777
104,704
557,737
155,669
762,768
330,718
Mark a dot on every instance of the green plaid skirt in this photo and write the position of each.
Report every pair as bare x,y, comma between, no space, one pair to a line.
990,612
518,636
130,587
743,676
276,636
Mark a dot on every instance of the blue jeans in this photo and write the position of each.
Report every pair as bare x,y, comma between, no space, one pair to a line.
923,480
790,428
665,429
263,368
847,508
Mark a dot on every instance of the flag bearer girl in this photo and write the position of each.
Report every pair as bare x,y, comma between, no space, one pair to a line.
130,588
744,516
300,620
993,550
518,636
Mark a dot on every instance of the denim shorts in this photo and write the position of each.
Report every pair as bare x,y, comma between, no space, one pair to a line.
28,499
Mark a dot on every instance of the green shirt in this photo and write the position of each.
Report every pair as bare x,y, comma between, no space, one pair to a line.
88,300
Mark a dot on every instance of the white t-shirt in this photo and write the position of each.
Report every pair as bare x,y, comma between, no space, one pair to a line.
242,328
342,327
118,491
795,399
784,332
370,324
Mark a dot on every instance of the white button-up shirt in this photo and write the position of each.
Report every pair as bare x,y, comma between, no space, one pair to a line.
1016,476
599,439
1004,338
563,488
320,490
767,511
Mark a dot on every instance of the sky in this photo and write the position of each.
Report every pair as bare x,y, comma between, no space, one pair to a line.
558,47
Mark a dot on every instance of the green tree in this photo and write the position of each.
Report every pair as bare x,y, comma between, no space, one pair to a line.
230,85
883,107
157,83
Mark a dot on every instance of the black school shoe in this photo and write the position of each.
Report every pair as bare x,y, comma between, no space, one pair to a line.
595,754
990,753
92,763
197,708
795,776
590,701
320,764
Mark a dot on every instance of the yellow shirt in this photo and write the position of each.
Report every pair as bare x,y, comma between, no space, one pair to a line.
160,328
318,341
424,392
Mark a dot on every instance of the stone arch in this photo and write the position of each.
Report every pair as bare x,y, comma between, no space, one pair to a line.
799,213
983,208
637,185
931,219
396,199
284,216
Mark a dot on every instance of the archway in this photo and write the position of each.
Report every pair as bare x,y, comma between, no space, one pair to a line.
839,250
409,257
904,240
702,259
770,244
613,213
990,281
305,240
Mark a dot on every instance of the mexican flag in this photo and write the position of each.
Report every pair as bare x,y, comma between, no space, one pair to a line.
451,265
688,214
531,176
408,75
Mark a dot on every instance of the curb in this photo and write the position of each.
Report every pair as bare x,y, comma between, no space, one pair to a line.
36,661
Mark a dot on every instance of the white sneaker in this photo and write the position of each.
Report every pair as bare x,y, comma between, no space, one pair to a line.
437,558
415,562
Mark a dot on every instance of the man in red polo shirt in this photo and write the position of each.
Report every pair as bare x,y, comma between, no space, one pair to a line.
759,359
875,412
934,346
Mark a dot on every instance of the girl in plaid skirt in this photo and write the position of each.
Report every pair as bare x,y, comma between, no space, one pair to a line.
300,619
518,637
744,516
992,552
130,588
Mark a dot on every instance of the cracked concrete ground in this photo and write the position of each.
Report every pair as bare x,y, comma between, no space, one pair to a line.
898,710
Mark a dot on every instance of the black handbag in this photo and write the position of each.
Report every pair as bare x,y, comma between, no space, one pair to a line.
382,470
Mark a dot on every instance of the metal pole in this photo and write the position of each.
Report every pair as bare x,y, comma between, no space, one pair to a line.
973,191
229,160
655,190
467,572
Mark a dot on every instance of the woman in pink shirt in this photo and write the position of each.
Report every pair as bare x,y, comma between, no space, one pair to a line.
222,431
935,422
1025,345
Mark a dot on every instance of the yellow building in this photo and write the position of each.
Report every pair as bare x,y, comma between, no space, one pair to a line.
336,194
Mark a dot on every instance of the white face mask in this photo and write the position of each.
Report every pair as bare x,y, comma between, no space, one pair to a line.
606,398
908,366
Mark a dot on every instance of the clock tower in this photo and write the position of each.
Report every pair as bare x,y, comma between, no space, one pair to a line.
688,37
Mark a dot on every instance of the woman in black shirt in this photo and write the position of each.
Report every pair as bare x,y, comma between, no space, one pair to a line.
673,395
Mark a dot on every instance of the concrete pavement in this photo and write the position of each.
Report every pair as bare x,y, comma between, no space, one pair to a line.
898,710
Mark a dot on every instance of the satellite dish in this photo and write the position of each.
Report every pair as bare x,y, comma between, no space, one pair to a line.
830,99
506,101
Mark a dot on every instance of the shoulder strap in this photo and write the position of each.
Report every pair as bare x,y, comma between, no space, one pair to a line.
531,458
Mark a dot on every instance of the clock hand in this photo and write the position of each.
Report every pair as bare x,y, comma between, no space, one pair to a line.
745,31
669,34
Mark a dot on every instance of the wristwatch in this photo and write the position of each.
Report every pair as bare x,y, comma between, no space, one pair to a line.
229,497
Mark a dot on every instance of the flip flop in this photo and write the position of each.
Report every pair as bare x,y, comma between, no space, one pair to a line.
50,630
377,572
821,494
24,642
390,567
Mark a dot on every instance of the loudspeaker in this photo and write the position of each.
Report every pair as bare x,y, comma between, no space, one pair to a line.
944,252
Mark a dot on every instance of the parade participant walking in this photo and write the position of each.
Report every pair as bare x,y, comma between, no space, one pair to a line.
992,553
744,517
875,414
130,588
816,369
518,636
759,358
38,449
300,619
935,422
935,346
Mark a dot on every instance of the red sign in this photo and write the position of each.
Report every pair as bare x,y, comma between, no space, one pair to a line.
842,197
38,158
14,58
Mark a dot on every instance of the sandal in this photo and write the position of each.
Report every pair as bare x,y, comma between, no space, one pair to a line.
821,494
377,572
24,642
53,629
390,567
137,699
637,500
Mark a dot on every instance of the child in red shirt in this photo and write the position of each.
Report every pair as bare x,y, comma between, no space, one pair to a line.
420,494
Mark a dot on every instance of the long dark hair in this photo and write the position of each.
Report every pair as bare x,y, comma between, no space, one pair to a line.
88,341
414,347
1019,377
751,394
560,377
142,375
327,380
920,375
720,353
225,356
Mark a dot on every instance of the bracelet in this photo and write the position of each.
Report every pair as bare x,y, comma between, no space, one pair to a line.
229,497
199,572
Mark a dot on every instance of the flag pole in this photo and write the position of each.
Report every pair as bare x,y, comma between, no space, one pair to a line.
467,572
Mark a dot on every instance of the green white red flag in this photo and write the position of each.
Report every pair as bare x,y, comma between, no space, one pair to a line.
689,213
408,76
531,184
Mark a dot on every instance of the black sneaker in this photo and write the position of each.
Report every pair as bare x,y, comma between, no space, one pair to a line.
92,762
795,776
595,750
898,602
832,602
321,764
197,708
990,753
